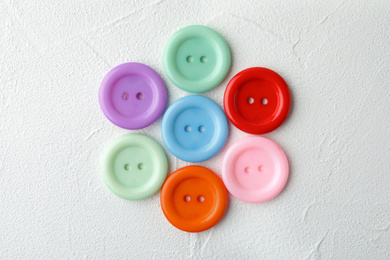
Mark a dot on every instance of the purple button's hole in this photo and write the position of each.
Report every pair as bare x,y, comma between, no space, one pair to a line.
200,199
125,96
187,198
264,101
250,100
261,168
140,96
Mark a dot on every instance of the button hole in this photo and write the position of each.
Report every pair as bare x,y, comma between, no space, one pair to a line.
200,199
127,167
203,59
140,96
250,100
125,96
247,170
201,129
187,198
141,166
187,128
264,101
261,168
190,59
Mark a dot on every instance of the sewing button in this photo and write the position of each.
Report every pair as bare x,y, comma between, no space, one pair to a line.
193,199
194,128
132,95
255,169
257,100
134,167
196,59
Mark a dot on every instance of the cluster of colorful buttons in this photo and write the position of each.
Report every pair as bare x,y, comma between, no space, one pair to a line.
194,129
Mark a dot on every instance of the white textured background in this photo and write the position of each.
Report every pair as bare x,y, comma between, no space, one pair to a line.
335,57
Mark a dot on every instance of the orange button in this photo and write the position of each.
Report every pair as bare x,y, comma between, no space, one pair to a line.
193,199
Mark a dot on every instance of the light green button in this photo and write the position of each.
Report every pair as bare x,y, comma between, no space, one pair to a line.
196,59
134,167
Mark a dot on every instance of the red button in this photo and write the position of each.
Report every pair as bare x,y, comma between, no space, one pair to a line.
257,100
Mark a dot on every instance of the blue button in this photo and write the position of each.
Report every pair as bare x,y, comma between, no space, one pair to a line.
194,128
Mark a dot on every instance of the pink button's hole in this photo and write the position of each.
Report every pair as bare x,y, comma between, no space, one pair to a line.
264,101
250,100
187,198
247,170
261,168
187,128
200,199
125,96
140,96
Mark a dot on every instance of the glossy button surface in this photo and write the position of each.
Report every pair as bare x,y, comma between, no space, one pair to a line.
194,128
257,100
196,59
193,199
134,167
132,95
255,169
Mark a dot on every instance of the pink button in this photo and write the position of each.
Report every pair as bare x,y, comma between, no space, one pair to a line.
255,169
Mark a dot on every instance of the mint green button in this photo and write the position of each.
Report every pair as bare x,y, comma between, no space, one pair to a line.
134,167
196,59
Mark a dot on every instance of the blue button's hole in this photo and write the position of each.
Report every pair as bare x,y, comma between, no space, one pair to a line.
190,59
187,128
201,129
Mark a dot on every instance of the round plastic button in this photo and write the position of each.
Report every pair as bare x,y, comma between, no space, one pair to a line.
134,167
257,100
255,169
193,199
132,95
196,59
194,128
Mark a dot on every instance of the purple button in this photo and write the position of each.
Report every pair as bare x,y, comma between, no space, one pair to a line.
132,95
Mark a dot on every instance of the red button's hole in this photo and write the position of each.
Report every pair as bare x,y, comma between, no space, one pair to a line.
250,100
264,101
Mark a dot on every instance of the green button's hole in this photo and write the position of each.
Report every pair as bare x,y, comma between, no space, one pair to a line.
250,100
141,166
190,59
200,199
201,129
140,96
203,59
127,167
187,198
264,101
187,128
125,96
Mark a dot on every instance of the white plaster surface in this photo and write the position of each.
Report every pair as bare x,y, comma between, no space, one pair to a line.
335,57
